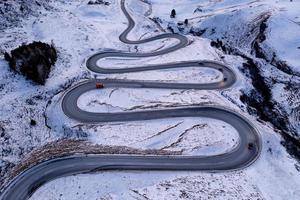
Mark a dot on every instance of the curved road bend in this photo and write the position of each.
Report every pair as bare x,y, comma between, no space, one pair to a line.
23,186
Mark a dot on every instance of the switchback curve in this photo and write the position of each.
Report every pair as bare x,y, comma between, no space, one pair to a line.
248,149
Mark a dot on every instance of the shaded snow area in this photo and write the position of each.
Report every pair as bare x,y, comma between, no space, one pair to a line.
259,40
13,11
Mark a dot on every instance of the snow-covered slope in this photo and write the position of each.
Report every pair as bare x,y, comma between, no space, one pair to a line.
266,33
79,30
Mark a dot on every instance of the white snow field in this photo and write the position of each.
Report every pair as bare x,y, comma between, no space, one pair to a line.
79,30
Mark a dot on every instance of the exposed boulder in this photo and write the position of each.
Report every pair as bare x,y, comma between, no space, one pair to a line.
186,22
2,132
33,60
173,13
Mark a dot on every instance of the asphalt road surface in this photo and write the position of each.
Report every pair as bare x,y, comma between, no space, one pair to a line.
245,153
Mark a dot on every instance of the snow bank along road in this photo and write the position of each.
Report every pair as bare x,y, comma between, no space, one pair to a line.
241,156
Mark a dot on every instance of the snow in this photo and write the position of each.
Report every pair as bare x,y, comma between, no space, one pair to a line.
188,75
237,25
155,185
285,43
79,30
272,176
190,135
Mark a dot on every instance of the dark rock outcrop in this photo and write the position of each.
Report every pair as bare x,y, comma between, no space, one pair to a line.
99,2
173,13
33,60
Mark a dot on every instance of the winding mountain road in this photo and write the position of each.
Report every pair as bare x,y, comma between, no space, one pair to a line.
23,186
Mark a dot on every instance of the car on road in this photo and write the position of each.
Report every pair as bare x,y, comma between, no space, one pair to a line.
250,146
99,85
